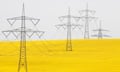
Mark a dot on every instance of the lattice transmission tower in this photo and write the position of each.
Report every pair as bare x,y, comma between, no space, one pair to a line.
69,26
87,17
23,32
100,31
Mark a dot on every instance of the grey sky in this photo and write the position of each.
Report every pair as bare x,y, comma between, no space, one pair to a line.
49,10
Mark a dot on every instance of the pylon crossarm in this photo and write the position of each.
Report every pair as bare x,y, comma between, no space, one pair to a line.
11,21
15,18
40,34
77,19
75,26
28,32
21,18
69,16
87,10
62,18
89,18
94,35
100,30
66,16
35,21
61,26
106,35
7,33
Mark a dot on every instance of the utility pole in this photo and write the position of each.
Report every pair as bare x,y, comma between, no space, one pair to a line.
87,18
69,26
100,34
23,32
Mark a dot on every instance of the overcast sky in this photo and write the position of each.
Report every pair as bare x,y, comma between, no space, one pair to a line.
48,12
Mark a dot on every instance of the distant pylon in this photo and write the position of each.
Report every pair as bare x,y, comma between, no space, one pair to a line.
23,32
69,26
87,18
100,34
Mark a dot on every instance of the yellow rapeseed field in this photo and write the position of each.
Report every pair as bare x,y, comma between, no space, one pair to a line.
51,56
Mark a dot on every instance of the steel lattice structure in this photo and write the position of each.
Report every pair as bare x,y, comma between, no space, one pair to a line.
100,34
23,32
69,26
87,17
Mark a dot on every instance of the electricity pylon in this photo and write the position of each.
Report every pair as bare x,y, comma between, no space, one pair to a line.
87,18
23,32
100,34
69,26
